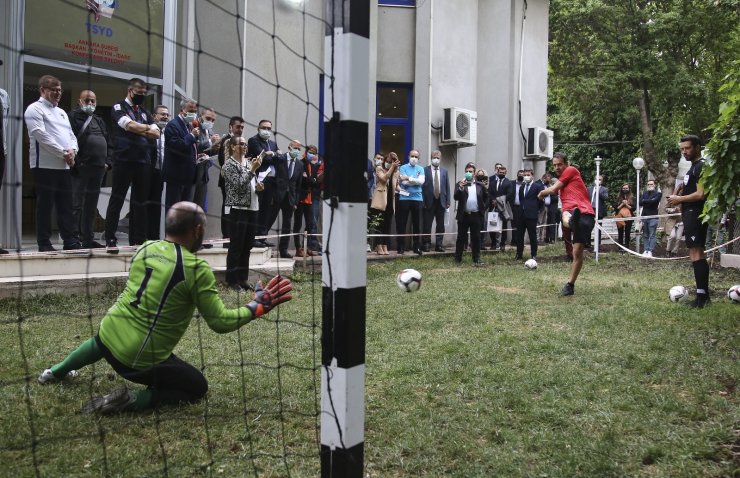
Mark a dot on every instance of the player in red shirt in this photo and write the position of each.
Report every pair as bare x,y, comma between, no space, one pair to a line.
577,212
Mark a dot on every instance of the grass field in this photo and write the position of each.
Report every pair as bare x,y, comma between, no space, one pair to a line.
483,372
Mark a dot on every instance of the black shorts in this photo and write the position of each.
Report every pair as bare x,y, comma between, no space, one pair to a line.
694,229
582,231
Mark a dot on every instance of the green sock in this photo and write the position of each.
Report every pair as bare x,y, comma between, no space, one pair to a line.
88,352
143,400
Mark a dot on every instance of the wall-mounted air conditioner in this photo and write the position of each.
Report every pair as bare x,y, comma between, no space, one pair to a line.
460,127
539,143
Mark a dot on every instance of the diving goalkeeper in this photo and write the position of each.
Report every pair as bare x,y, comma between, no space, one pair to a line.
138,334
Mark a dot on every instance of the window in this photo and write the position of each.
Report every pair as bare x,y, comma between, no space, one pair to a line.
398,3
393,120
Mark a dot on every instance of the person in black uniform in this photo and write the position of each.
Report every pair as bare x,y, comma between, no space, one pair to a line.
93,159
692,200
133,128
269,208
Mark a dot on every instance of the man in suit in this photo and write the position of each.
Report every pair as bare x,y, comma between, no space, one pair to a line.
266,176
209,144
530,206
288,174
472,203
236,128
498,192
514,202
436,194
180,154
603,194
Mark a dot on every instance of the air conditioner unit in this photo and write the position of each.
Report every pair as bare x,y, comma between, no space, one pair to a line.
460,127
539,143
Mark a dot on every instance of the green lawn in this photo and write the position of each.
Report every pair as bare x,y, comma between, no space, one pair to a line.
483,372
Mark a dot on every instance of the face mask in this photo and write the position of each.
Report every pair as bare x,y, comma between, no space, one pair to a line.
625,190
480,178
138,100
161,124
519,178
378,162
387,165
468,176
435,162
294,153
189,117
89,109
527,179
207,124
413,161
651,188
312,157
501,175
265,133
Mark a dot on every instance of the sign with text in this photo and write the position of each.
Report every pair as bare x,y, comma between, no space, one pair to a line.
121,35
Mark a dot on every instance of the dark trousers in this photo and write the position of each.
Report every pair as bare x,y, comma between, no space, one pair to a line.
470,221
386,223
54,188
87,181
225,218
243,230
434,213
170,382
135,176
624,233
530,225
304,212
175,192
552,227
516,214
285,209
200,192
405,208
154,204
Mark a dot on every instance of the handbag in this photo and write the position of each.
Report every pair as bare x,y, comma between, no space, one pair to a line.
493,222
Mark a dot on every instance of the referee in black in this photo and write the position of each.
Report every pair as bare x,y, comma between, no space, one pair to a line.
692,199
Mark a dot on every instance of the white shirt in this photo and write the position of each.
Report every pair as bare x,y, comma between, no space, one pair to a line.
472,204
5,105
50,133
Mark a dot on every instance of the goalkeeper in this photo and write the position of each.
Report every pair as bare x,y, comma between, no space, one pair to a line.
138,334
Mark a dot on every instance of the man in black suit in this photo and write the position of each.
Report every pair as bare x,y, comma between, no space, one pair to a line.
530,206
436,194
288,174
180,154
470,212
603,199
266,175
514,201
498,192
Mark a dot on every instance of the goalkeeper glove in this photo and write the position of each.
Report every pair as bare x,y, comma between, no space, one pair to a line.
265,298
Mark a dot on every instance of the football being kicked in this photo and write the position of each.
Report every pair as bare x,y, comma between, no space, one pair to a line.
409,280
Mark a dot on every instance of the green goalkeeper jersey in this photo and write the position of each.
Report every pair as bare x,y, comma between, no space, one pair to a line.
166,283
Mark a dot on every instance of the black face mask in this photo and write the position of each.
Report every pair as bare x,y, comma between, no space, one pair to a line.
138,100
520,178
625,191
501,175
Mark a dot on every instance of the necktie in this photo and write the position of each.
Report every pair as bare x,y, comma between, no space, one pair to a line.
498,184
436,183
159,153
526,190
290,169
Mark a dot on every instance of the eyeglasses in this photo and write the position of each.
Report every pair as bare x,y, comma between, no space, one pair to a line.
55,90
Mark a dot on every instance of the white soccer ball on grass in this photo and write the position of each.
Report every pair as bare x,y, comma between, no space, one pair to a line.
531,264
409,280
678,293
733,293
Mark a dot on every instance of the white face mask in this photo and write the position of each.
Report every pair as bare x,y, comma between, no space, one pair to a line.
89,109
387,165
651,188
527,179
413,161
378,162
189,117
207,124
435,162
265,133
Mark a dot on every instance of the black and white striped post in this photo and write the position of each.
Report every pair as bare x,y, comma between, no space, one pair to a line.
344,267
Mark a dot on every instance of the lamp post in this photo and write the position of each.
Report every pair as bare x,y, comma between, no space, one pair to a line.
637,163
597,188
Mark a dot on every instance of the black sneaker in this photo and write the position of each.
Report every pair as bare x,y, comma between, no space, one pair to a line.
701,301
114,402
567,289
72,247
48,248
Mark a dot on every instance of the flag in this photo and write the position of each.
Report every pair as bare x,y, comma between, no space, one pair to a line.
92,6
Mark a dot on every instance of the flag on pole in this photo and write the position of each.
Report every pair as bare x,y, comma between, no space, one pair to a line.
92,6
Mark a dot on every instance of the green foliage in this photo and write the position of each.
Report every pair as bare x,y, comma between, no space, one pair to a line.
628,78
721,173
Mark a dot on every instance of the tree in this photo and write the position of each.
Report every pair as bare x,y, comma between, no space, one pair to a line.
638,74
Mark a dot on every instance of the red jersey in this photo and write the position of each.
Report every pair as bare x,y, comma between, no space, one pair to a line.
574,193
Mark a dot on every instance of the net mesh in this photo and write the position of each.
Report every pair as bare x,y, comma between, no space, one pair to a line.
261,414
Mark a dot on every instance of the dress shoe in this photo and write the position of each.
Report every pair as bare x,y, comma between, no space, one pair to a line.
267,244
417,252
285,255
3,251
72,247
479,263
426,249
92,245
48,248
207,246
439,249
502,248
111,243
400,252
518,258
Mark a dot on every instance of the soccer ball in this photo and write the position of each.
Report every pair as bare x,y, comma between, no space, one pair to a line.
678,293
734,293
409,280
531,264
